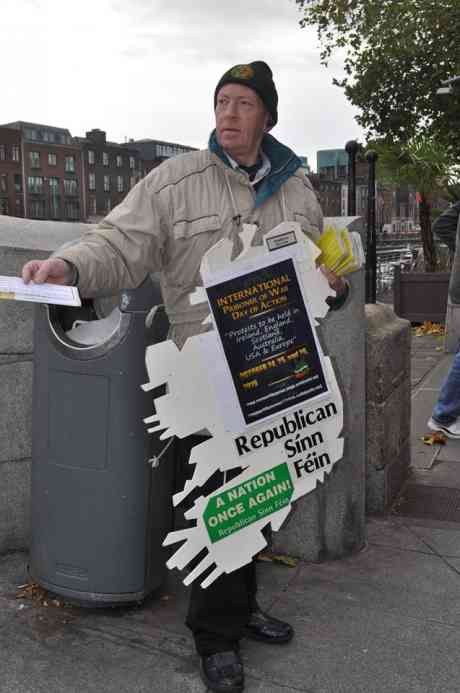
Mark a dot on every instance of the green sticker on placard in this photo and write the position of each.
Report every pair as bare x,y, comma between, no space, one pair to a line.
247,502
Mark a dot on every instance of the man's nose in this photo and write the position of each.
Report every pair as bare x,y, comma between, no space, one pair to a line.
231,109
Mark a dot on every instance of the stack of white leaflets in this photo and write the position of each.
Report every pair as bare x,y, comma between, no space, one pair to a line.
13,288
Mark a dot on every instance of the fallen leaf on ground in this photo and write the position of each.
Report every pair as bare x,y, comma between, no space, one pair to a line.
39,595
437,438
428,328
268,557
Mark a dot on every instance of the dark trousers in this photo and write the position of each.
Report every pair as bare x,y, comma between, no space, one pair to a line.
218,614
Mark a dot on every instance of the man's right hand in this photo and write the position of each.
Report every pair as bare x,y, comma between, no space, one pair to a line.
54,270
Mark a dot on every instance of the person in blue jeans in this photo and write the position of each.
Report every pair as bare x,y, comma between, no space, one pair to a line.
446,413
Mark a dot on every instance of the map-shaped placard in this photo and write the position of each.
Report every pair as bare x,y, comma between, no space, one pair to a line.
261,391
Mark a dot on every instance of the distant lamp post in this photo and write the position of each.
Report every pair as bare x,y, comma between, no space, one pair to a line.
351,148
371,241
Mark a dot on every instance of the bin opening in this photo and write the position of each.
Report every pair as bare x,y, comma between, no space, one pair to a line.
92,332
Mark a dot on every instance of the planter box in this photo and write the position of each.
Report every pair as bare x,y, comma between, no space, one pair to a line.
420,296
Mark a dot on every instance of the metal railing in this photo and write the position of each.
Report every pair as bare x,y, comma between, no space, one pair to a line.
386,261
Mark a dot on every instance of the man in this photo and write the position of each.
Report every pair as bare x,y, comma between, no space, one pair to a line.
446,413
166,223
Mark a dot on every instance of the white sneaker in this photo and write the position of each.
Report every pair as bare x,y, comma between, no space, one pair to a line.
450,430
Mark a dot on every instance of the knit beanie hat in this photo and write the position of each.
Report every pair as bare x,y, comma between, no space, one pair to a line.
256,76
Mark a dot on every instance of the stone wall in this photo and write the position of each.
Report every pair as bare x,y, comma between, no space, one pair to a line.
20,240
388,405
330,522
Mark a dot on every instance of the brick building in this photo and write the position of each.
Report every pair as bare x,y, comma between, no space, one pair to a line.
51,172
396,209
11,188
45,173
153,152
110,170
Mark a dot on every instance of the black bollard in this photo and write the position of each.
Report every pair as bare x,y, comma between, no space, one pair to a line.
351,148
371,241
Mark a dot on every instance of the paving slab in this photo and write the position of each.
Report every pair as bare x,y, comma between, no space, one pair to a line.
350,649
420,368
402,584
384,620
450,452
396,534
438,374
444,474
423,400
444,541
422,456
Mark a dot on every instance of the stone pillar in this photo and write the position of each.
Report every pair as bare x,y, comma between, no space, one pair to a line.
452,326
330,521
388,405
20,240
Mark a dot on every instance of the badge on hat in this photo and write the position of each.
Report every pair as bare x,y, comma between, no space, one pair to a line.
242,72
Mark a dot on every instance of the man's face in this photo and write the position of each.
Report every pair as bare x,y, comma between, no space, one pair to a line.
241,121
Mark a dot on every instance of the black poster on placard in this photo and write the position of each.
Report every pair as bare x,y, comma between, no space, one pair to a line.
268,340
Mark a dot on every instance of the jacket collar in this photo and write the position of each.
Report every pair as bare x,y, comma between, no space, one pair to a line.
284,163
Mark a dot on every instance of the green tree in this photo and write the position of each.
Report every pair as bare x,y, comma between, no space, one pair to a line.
425,164
396,54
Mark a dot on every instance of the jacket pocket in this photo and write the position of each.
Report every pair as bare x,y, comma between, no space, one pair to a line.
187,228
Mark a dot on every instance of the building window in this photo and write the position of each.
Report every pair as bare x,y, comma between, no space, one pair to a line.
105,158
70,186
54,197
52,159
72,209
34,159
132,182
70,164
2,152
3,183
132,162
15,152
91,157
55,211
92,205
35,184
120,186
119,161
4,209
92,181
17,182
106,183
108,205
37,209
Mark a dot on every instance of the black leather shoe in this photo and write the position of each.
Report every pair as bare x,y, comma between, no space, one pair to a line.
263,627
223,672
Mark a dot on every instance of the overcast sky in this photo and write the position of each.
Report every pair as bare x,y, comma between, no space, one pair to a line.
148,68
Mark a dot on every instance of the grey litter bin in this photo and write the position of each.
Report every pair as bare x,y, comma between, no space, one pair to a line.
100,510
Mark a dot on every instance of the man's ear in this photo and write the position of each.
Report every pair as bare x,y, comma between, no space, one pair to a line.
268,123
268,120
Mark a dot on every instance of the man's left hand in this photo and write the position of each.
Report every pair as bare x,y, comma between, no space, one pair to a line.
338,284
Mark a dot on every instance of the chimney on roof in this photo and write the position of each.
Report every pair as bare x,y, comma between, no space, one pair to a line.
97,136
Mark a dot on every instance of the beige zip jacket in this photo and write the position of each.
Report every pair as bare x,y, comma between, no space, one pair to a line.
171,218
